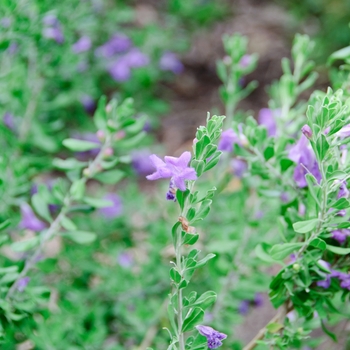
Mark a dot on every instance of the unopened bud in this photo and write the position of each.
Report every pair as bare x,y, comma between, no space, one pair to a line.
227,60
119,135
306,130
108,152
296,267
300,330
86,172
195,140
100,135
108,108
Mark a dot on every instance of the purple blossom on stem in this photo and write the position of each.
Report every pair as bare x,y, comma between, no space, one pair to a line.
53,29
266,118
306,162
141,162
120,70
125,259
175,168
171,194
113,210
117,44
29,221
238,167
88,103
170,62
306,130
214,338
258,299
82,45
344,131
343,190
9,120
135,58
22,284
245,61
243,307
227,140
341,235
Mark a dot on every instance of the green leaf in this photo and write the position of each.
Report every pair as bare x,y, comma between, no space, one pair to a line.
22,246
68,164
181,197
81,237
305,226
174,275
190,238
318,243
280,251
328,332
205,300
203,210
78,189
274,327
285,164
68,224
341,203
322,147
200,146
313,187
41,207
202,262
193,318
80,145
97,202
269,152
213,160
262,252
5,224
199,166
110,177
338,250
100,116
341,54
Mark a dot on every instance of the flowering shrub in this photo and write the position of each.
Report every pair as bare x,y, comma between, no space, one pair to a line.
94,256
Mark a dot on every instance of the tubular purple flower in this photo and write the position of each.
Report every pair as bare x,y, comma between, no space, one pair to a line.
343,190
214,338
238,167
115,209
29,221
243,307
258,299
175,168
306,130
141,162
170,62
227,140
344,131
82,45
171,194
340,235
135,58
22,284
266,118
302,154
54,33
88,103
117,44
245,61
125,259
120,70
9,121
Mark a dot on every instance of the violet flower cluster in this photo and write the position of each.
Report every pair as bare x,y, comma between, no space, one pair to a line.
122,57
302,154
344,279
176,169
52,29
214,338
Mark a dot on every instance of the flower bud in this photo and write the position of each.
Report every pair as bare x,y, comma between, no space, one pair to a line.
296,267
109,108
306,130
86,172
108,152
227,60
100,135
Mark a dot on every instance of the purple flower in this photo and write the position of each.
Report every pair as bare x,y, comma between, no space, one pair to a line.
88,103
214,338
22,284
176,168
227,140
125,259
324,283
53,29
29,220
120,70
344,131
266,118
9,120
5,22
343,190
82,45
243,307
171,194
245,61
115,209
141,162
304,156
340,235
258,299
238,167
306,130
117,44
170,62
12,49
135,58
